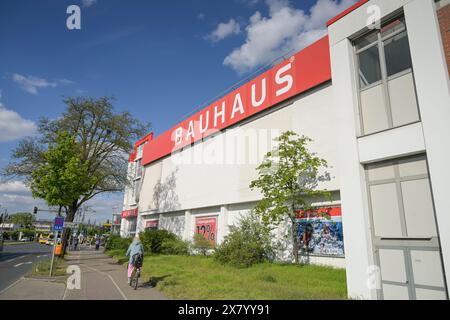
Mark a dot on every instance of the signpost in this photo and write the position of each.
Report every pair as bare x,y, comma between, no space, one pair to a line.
58,225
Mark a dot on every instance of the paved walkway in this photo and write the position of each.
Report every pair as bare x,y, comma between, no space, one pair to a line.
101,279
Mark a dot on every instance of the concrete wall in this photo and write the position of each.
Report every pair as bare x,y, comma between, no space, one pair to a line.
212,178
219,170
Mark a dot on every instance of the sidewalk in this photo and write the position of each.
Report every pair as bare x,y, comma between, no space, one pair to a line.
34,289
101,279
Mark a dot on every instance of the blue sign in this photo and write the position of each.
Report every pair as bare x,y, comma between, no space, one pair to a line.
59,224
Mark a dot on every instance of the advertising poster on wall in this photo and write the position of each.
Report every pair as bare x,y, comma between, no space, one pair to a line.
320,232
206,226
152,225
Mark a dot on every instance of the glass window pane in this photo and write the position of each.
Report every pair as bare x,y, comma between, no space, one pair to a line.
392,265
419,211
427,268
393,292
381,172
398,55
369,66
385,210
373,110
402,95
413,167
393,27
427,294
366,40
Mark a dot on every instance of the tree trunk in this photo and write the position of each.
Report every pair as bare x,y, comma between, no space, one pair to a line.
66,233
295,247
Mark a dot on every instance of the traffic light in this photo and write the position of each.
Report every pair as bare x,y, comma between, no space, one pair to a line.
35,210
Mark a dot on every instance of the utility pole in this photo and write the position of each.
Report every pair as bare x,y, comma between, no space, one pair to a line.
55,240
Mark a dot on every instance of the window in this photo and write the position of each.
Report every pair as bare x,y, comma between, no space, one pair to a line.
401,199
386,82
397,54
136,190
138,169
369,66
139,151
133,225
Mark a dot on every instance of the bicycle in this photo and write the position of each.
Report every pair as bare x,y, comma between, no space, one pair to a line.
135,278
137,260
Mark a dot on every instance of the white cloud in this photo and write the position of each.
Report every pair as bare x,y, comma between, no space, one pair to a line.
16,197
65,81
224,30
13,126
31,84
201,16
14,188
286,29
88,3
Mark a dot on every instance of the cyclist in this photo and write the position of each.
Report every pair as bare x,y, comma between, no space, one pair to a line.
136,248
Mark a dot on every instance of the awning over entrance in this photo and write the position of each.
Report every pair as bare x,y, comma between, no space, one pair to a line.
132,213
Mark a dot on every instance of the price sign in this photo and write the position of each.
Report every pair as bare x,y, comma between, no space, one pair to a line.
207,228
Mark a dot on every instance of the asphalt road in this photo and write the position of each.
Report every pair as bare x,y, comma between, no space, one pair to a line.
17,260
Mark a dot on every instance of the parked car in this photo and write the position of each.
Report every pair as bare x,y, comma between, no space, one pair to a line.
25,239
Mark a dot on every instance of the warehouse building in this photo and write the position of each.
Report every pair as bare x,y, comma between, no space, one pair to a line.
374,96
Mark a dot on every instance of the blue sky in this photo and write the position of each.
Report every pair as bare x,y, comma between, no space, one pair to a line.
160,59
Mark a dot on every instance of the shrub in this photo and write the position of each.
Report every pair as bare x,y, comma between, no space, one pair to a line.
201,244
28,233
117,243
175,247
247,243
6,235
152,240
14,235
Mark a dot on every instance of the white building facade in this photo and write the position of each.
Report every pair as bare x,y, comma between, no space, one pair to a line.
374,96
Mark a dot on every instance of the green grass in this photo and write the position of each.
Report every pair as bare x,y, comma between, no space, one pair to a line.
197,277
42,268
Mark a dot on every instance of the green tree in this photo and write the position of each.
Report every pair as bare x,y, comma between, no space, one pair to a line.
62,178
23,218
288,180
103,139
202,245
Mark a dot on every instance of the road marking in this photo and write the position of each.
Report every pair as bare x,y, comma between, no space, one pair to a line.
43,255
22,263
11,285
11,260
104,273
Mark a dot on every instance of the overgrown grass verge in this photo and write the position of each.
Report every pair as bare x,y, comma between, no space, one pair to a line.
197,277
42,268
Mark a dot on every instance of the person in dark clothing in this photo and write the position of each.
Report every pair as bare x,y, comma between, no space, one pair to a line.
75,243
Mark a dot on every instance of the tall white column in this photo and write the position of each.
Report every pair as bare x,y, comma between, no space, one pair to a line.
188,234
356,226
433,93
222,224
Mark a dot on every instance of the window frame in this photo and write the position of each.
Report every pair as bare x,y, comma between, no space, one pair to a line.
385,79
397,180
